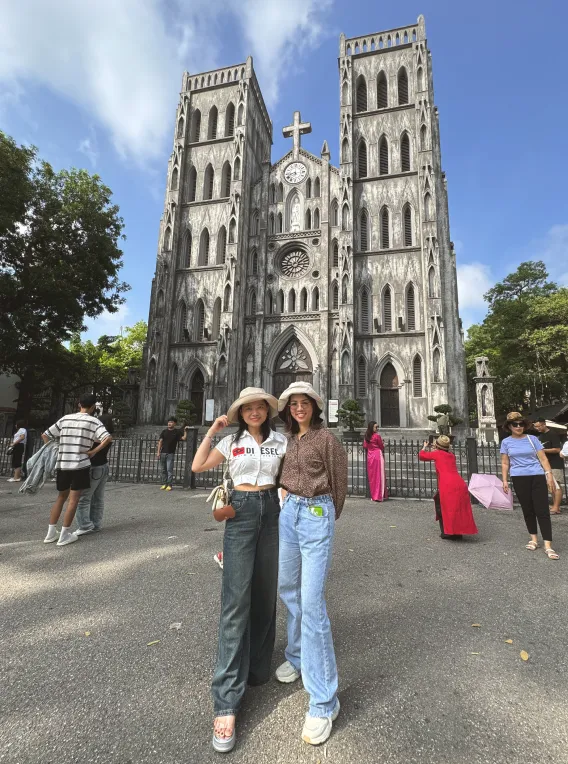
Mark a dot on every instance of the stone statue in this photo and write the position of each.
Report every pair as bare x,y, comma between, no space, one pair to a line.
295,215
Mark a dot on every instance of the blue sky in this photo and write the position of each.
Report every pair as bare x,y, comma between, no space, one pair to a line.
95,84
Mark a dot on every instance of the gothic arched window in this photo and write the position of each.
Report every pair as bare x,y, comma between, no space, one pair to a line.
168,239
361,93
335,253
385,228
423,138
405,153
195,126
216,323
431,282
317,188
208,181
237,169
344,289
362,159
254,263
227,298
407,225
199,331
387,310
279,223
251,306
383,156
226,180
291,301
280,302
402,86
232,231
182,333
334,296
364,311
304,300
417,377
204,248
316,218
192,185
212,125
361,377
382,91
221,245
185,252
410,309
241,119
436,365
230,120
180,127
308,226
427,207
345,217
309,188
269,308
316,299
175,179
334,212
364,231
345,150
174,386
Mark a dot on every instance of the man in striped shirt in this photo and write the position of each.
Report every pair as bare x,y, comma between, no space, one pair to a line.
76,434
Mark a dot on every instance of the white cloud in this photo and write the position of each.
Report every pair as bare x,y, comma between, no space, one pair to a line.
106,323
474,280
122,62
88,147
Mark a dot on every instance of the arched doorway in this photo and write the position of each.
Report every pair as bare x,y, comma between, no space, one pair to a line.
293,364
389,392
196,389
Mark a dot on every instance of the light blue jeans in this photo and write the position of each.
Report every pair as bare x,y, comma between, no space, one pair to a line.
89,514
306,542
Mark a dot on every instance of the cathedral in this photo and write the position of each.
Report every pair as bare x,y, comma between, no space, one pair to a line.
343,276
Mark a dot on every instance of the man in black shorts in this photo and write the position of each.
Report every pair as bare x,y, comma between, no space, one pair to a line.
77,434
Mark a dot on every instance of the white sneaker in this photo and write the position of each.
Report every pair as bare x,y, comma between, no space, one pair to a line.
67,539
52,535
219,559
13,480
317,729
287,673
81,532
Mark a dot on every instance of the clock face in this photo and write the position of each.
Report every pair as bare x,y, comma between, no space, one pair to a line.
295,172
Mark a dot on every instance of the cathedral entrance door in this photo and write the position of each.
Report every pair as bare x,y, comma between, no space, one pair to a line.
390,411
292,365
196,388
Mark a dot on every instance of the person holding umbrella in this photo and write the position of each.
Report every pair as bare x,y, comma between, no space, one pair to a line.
453,507
523,457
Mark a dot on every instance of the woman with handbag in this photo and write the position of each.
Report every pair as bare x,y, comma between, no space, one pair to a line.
374,446
250,551
523,457
314,476
17,449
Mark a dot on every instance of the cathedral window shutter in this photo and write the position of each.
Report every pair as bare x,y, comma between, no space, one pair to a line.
344,285
180,128
199,320
237,170
208,182
362,159
364,233
402,87
192,184
383,156
385,236
175,179
417,377
308,220
241,119
316,218
335,254
216,325
308,188
387,310
221,245
382,91
280,304
213,114
227,298
196,126
407,222
361,94
364,319
291,301
230,120
174,388
410,309
255,263
304,301
316,299
335,296
317,191
361,378
204,248
405,153
182,322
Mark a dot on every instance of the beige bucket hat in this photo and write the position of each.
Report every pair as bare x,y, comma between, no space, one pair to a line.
299,388
443,442
248,395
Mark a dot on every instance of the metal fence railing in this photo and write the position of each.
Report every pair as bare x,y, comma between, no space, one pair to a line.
133,460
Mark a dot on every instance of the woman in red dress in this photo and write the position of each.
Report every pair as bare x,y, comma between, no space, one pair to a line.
453,507
374,446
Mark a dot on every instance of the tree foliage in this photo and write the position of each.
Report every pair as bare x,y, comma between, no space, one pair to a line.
525,338
186,413
109,360
350,414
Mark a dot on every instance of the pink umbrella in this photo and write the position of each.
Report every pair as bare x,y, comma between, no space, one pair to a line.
488,489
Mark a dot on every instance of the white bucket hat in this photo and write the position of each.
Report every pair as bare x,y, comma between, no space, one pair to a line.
248,395
299,388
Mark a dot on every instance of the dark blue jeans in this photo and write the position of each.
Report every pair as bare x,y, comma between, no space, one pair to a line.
167,465
248,599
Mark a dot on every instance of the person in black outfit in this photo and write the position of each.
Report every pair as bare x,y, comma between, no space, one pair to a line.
552,447
167,445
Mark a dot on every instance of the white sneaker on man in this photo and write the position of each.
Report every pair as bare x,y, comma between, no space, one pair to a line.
287,673
13,480
318,729
67,538
81,532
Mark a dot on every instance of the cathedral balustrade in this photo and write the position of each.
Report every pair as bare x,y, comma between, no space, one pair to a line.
392,38
294,235
278,318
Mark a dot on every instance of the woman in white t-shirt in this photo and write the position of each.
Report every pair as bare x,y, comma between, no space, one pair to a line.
18,447
250,552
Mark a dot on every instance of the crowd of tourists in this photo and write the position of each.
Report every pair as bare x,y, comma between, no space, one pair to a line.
284,493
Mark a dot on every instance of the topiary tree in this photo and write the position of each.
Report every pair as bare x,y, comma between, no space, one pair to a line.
185,413
122,415
444,418
350,414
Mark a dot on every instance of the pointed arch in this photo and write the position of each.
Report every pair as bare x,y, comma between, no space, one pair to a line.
221,245
237,169
308,225
309,188
417,376
304,300
362,159
345,364
160,301
280,301
402,81
407,225
151,377
437,365
222,371
241,115
334,296
271,223
192,185
345,94
168,238
345,217
428,207
251,303
269,303
185,251
315,298
226,180
279,223
216,322
208,182
317,188
365,311
254,262
230,120
195,126
382,91
182,333
423,138
199,321
363,231
344,289
361,93
410,308
335,213
180,127
362,377
431,281
292,301
345,150
405,152
420,78
385,228
280,192
383,156
316,218
255,227
232,231
175,179
387,309
174,382
212,123
335,253
204,248
227,298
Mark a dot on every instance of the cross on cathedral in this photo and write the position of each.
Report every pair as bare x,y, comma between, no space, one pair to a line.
295,130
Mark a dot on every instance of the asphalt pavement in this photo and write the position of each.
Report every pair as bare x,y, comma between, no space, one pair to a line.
108,644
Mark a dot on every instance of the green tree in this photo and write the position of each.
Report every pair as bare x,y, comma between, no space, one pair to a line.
525,338
185,413
121,415
350,414
59,262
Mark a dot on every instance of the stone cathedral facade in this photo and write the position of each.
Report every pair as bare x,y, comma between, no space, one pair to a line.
299,270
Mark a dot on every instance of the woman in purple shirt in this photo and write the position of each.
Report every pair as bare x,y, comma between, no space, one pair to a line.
523,457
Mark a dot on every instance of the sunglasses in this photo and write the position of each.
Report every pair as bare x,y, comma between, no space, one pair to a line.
517,424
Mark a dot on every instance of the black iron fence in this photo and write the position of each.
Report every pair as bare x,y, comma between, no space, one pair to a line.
133,460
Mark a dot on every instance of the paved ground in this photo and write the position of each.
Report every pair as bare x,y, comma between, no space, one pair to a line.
418,683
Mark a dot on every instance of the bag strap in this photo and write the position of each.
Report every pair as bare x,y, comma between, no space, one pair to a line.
533,445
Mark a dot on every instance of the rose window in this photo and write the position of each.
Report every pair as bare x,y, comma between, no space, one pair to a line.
295,264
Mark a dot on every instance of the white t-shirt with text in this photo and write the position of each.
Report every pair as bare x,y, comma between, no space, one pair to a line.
251,463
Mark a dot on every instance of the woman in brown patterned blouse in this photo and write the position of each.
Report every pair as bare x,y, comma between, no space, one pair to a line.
314,477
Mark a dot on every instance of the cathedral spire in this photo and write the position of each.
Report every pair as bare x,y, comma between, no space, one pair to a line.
295,130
